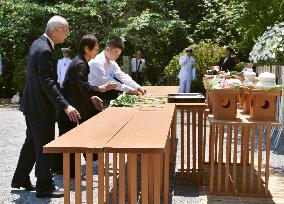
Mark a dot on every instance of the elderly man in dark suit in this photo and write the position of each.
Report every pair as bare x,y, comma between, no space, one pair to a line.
40,100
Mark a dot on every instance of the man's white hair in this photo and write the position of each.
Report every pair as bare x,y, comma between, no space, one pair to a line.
55,21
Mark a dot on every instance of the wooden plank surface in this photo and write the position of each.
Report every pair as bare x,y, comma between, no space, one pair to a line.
160,90
143,137
94,133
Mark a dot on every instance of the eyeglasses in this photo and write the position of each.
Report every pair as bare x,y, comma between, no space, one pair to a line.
66,31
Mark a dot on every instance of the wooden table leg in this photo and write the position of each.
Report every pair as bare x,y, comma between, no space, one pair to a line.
268,132
235,159
259,159
166,174
200,151
145,178
151,177
194,140
121,178
220,157
182,141
114,178
188,142
89,179
107,177
212,159
78,180
252,160
204,136
132,177
228,156
245,152
66,177
157,177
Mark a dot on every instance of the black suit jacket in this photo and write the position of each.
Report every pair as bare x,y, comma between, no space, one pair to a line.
77,90
41,95
228,65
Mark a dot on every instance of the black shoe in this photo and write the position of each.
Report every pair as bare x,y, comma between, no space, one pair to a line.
27,186
55,193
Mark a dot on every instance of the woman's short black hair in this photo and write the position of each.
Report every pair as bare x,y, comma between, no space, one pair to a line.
88,40
115,42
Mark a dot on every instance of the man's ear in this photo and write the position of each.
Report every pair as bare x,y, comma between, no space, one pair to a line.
86,49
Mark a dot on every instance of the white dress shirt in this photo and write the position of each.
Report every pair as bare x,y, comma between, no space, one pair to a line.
103,71
51,42
186,71
62,66
135,63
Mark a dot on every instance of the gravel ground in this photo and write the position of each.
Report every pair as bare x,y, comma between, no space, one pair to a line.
12,134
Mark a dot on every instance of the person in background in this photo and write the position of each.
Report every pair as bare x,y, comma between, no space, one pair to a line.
187,71
80,94
104,69
16,98
227,63
40,102
138,67
62,65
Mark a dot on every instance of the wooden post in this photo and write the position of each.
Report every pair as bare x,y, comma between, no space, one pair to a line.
89,177
151,178
194,139
132,188
114,178
244,162
107,177
145,177
66,177
220,158
182,140
259,159
204,135
252,159
157,177
235,161
212,158
78,182
268,132
188,141
166,174
121,178
200,137
228,156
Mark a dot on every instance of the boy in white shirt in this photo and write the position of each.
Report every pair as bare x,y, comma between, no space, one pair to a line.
104,69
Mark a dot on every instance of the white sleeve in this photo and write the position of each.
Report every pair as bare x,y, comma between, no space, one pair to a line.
58,72
125,78
98,77
182,59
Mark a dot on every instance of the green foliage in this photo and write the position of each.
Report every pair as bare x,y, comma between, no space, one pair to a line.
219,22
206,54
157,36
257,17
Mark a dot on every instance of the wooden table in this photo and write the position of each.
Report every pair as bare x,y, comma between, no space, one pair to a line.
150,139
246,183
96,134
89,137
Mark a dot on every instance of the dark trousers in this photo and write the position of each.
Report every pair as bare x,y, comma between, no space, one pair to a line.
65,125
38,134
138,77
